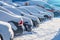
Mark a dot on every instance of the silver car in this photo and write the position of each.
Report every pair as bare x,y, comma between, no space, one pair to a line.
15,21
6,32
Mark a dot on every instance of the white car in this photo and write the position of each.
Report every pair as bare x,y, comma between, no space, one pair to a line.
19,12
15,21
29,21
6,32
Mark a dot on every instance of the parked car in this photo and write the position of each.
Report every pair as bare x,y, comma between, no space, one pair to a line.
6,32
15,21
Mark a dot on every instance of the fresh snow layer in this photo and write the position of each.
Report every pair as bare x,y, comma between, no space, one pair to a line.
47,31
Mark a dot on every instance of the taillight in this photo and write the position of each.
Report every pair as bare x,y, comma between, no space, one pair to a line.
20,23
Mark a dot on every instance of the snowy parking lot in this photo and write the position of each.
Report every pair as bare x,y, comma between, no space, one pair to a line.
46,31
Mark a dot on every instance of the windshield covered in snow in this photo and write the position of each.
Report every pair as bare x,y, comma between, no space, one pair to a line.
31,9
25,11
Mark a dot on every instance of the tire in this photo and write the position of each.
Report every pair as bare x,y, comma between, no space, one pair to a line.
47,17
19,30
28,28
1,38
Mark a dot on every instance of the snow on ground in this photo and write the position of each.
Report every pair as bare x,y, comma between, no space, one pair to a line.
47,31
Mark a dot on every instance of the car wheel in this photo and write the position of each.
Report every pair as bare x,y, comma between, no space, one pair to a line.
19,31
47,17
29,28
1,37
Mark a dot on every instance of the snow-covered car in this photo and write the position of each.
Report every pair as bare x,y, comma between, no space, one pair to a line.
6,32
10,7
15,21
25,19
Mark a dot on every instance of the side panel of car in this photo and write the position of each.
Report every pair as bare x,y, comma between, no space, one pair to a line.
6,31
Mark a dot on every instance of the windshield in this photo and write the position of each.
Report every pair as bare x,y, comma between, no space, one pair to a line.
23,10
33,10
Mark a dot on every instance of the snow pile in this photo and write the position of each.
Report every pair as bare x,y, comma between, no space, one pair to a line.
47,31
